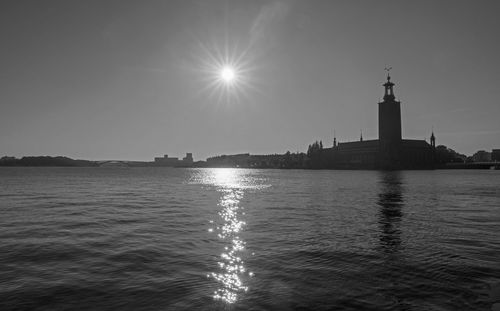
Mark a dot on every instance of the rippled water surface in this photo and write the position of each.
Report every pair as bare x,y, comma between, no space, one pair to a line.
235,239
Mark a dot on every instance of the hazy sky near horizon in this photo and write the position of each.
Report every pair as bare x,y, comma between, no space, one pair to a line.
128,80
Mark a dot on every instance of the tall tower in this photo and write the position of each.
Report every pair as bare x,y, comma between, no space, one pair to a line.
433,146
389,116
389,127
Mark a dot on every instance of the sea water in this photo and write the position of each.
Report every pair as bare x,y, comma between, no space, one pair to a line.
238,239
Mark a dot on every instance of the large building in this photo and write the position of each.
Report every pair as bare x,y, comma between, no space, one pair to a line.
390,150
481,156
495,155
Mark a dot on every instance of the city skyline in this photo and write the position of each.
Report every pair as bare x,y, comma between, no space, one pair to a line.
129,81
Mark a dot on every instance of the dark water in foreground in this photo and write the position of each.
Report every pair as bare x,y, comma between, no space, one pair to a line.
224,239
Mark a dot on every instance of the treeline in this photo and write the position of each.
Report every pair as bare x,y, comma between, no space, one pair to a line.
315,159
45,161
281,161
447,155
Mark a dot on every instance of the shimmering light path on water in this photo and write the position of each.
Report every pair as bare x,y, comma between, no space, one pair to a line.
219,239
229,227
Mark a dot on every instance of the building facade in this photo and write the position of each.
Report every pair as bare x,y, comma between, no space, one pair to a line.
187,161
495,155
390,150
481,156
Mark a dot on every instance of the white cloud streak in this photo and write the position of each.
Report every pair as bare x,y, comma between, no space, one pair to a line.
269,15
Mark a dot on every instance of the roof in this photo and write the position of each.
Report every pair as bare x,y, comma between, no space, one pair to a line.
358,144
415,143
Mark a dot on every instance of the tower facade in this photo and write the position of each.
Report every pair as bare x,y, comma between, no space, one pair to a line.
389,116
389,127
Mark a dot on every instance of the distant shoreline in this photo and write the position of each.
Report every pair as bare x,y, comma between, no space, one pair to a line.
60,161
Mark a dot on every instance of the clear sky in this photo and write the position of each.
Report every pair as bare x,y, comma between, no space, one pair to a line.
129,80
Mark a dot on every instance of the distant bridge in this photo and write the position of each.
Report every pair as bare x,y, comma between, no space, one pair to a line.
113,163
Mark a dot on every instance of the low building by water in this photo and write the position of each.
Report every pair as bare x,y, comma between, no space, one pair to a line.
187,161
495,155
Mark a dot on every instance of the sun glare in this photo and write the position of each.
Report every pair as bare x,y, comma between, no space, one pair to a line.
228,74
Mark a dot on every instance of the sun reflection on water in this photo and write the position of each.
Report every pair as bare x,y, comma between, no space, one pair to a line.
228,226
231,265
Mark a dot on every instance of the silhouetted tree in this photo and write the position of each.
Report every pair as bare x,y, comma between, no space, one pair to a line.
314,155
448,155
45,161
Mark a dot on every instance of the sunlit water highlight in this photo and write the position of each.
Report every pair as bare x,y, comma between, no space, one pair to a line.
231,183
235,239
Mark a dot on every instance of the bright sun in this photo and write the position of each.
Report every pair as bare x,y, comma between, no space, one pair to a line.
227,74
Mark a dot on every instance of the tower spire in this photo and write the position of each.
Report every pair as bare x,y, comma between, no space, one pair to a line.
388,69
389,92
334,139
361,136
433,138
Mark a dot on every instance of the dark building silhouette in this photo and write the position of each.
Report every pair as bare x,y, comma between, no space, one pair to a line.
481,156
390,151
495,155
389,126
187,161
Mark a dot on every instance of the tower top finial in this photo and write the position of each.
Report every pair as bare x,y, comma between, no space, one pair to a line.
389,92
388,69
